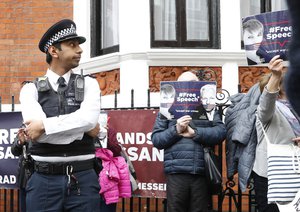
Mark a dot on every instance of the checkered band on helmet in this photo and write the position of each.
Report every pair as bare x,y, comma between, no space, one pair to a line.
61,34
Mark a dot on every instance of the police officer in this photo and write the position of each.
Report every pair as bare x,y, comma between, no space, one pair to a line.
60,111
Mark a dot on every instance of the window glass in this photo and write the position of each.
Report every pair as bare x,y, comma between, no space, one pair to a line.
197,21
185,23
251,7
165,19
109,23
278,5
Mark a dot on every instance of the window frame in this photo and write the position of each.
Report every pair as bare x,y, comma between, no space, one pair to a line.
181,34
96,37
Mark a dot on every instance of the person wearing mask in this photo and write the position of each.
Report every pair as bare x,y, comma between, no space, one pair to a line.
60,111
274,110
183,141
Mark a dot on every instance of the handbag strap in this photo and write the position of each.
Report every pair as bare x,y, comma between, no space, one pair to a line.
264,131
295,150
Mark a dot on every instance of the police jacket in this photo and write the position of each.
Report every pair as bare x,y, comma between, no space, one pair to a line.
54,104
185,155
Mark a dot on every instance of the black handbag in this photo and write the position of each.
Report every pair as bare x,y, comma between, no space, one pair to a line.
213,167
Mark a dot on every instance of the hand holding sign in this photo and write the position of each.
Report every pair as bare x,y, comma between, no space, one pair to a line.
182,124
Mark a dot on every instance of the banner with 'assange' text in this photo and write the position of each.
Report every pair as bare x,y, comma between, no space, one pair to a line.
133,128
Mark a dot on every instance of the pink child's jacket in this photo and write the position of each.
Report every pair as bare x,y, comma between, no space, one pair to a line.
114,178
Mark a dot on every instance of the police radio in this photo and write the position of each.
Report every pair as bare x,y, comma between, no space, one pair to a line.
79,87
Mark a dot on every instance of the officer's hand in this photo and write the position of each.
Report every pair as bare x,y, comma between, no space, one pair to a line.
34,129
22,137
94,132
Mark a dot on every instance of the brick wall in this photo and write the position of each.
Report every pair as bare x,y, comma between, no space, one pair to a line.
22,23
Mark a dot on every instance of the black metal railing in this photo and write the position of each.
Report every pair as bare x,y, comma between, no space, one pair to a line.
231,199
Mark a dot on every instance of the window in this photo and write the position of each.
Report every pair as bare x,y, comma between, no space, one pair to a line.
277,5
253,7
185,23
104,27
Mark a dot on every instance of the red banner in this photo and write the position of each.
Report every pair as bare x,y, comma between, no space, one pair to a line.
134,129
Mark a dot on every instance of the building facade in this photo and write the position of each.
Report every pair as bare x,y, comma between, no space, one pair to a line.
134,44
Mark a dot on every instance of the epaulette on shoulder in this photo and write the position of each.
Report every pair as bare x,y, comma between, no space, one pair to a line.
26,81
90,75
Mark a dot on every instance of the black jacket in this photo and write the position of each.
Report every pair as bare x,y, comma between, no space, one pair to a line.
185,155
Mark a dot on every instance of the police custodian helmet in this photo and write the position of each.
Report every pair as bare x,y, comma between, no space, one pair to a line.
60,31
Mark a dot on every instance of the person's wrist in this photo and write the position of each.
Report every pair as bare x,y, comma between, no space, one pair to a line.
276,74
193,133
42,127
179,129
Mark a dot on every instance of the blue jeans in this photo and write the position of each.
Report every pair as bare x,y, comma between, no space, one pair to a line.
51,193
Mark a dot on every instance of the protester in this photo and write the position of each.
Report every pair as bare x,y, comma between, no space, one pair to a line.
60,111
293,75
25,166
183,141
111,150
273,111
115,148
